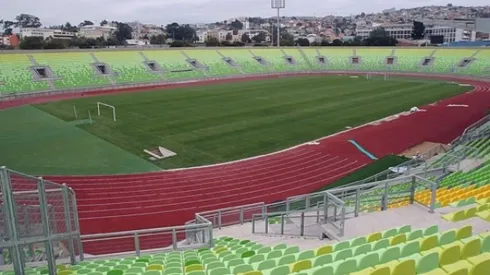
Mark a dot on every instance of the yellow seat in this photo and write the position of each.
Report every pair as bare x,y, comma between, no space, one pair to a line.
301,265
327,249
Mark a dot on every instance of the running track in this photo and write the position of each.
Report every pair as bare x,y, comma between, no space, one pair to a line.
139,201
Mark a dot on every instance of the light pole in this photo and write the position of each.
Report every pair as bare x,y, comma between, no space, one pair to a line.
278,4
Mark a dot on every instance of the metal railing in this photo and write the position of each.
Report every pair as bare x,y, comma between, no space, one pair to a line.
39,221
190,236
469,131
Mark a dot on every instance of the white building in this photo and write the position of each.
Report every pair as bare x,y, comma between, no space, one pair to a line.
404,31
46,33
137,42
96,31
202,36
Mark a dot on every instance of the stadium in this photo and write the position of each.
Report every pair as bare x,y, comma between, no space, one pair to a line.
254,161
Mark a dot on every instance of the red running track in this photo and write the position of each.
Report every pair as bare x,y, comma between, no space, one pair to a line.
139,201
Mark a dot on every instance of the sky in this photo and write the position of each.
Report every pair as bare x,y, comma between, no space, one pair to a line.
161,12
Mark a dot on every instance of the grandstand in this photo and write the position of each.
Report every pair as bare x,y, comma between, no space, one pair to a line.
76,70
238,217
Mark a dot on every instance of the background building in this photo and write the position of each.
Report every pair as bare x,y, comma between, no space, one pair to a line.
46,33
94,31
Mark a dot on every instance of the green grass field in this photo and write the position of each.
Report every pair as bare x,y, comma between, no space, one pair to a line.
203,125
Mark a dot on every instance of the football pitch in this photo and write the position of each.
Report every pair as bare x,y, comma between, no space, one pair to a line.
202,124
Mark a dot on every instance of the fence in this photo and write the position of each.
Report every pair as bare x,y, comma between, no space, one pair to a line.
39,222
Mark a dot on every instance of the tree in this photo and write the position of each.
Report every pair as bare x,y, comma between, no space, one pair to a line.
7,27
379,37
181,32
259,38
158,39
27,21
31,43
86,23
123,32
236,25
337,42
418,30
229,37
303,42
104,22
286,36
212,42
69,28
245,38
53,44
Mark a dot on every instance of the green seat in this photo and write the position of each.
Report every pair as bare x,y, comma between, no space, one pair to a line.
308,254
341,255
341,246
243,268
415,235
389,233
274,254
447,237
235,262
485,245
288,259
368,260
214,265
322,260
135,270
428,262
431,230
264,250
345,267
358,241
248,254
404,229
291,250
256,259
216,271
280,247
267,264
280,270
389,254
384,243
323,270
410,248
362,249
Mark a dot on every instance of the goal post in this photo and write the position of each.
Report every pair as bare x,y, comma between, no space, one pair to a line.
101,104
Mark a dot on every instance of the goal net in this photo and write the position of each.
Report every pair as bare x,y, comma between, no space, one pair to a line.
102,105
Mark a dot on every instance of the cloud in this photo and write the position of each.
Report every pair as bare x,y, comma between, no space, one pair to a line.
163,12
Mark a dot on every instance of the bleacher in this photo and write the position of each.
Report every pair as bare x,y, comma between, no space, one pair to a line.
395,251
75,70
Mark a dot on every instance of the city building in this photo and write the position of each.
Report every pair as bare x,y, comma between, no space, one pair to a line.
9,40
96,31
404,31
46,33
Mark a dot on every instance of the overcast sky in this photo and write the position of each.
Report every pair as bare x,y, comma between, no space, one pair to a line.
162,12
